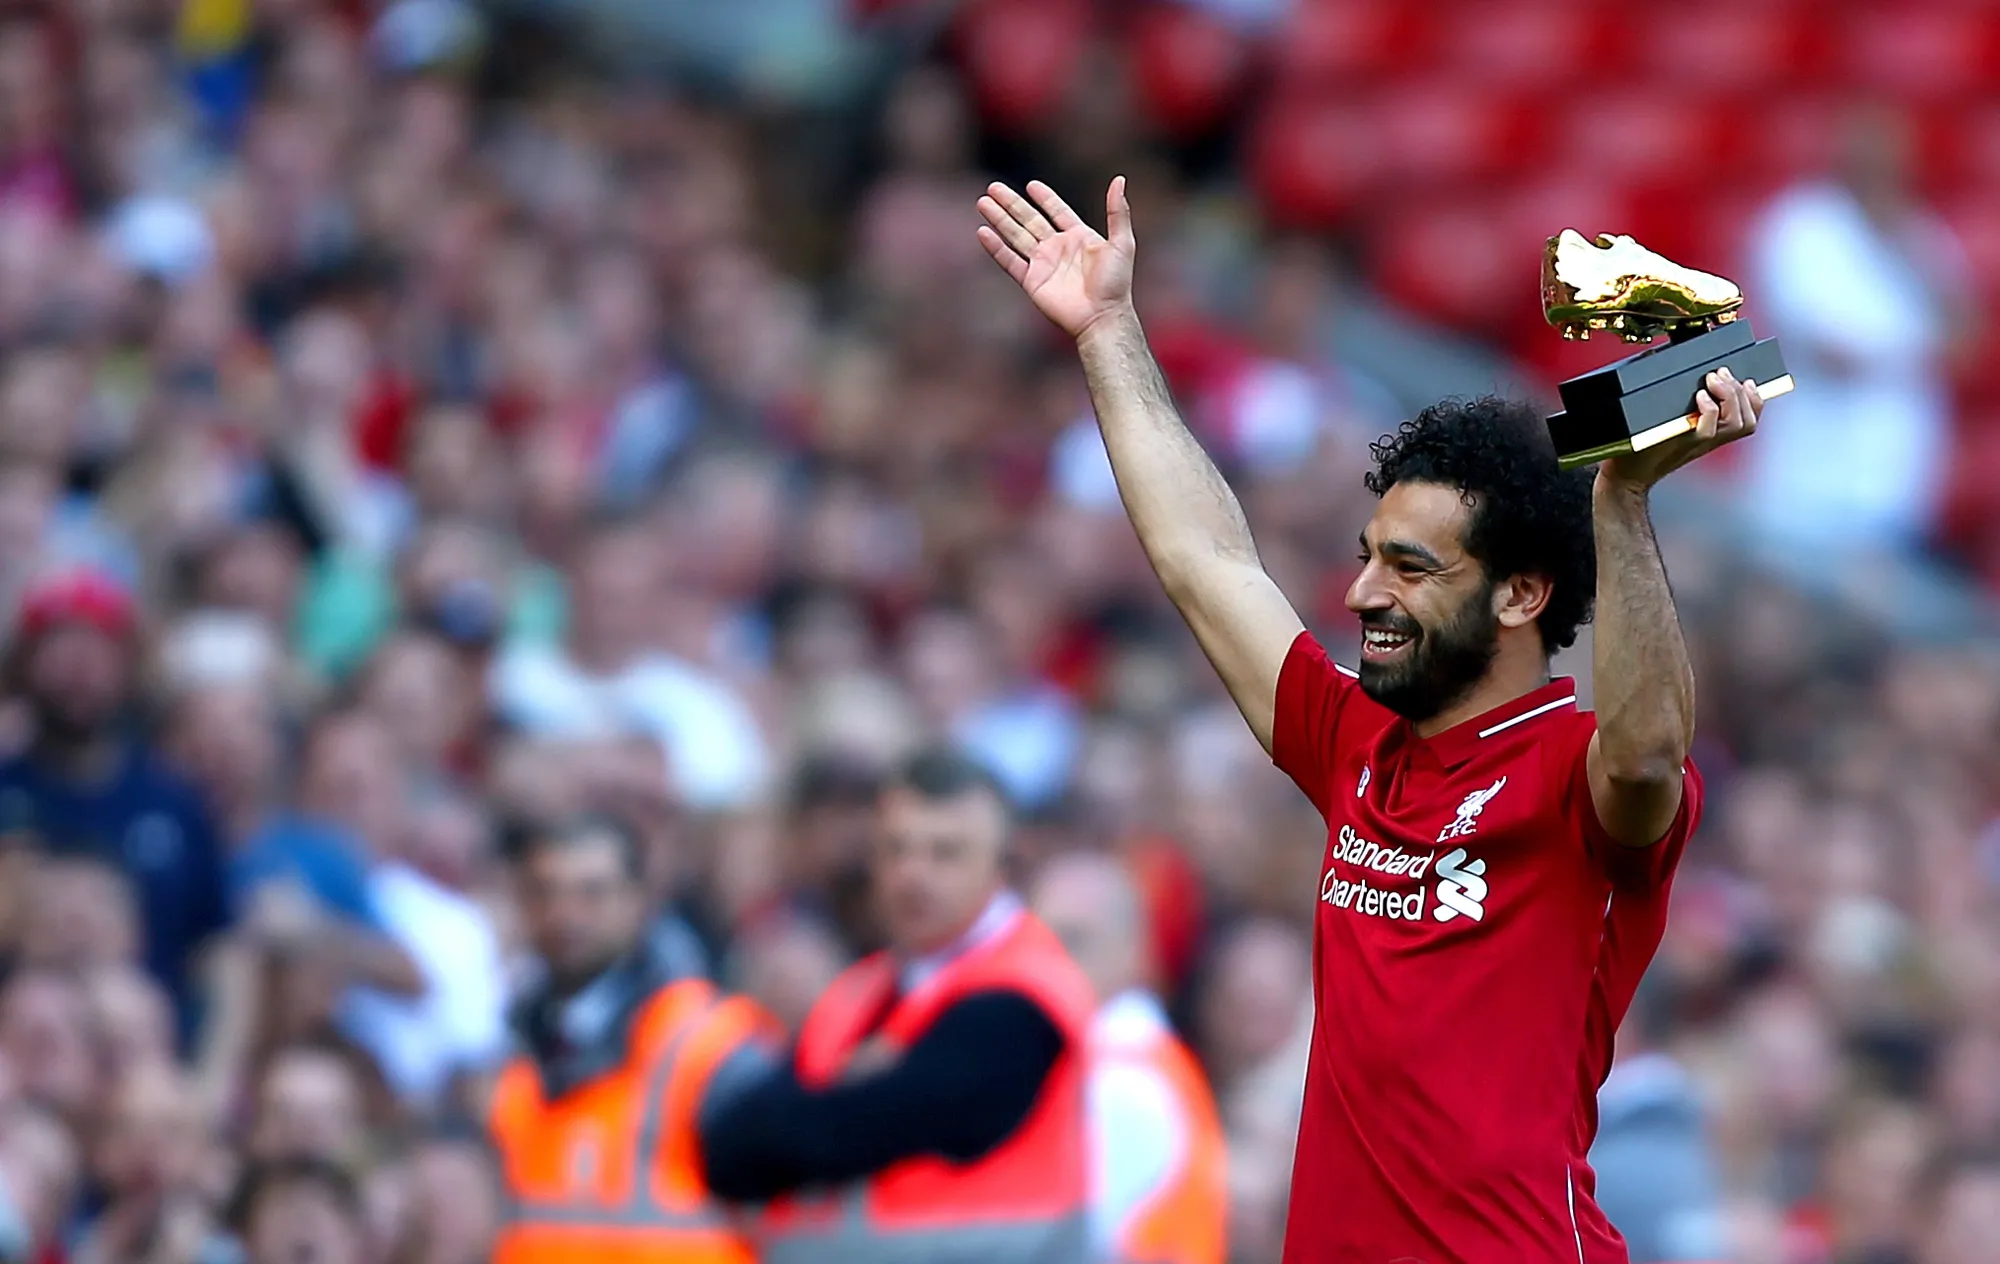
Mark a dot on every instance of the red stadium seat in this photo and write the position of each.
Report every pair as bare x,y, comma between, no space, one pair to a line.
1312,160
1646,138
1455,260
1725,46
1975,217
1326,44
1794,137
1437,131
1539,44
1916,50
1022,56
1966,147
1188,66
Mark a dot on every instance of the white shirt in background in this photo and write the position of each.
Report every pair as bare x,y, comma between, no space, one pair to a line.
1138,1138
1857,460
460,1020
717,752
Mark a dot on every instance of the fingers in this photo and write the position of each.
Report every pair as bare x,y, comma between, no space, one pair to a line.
1707,412
1022,211
1058,210
1010,231
1755,401
1118,217
1010,262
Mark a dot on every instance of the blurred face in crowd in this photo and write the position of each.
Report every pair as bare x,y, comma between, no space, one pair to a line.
786,965
1965,1225
77,677
303,1221
132,1017
352,776
1873,1170
309,1106
948,661
616,584
153,1139
584,909
45,1035
1427,608
257,571
456,1209
451,841
227,738
1254,1000
80,913
1089,902
937,864
415,687
452,463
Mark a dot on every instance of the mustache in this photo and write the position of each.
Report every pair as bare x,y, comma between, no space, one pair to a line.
1391,621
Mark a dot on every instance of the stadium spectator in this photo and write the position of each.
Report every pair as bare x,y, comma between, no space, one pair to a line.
1866,287
1160,1171
614,1051
88,785
1656,1171
965,1041
610,679
297,1210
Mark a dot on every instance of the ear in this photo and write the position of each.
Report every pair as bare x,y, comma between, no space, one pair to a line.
1519,600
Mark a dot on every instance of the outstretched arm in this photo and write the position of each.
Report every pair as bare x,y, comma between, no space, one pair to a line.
1188,520
1643,683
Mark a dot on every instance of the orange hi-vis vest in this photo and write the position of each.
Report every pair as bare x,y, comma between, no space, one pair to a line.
1024,1203
610,1173
1186,1219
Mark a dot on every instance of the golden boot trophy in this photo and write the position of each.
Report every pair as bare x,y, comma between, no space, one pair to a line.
1617,286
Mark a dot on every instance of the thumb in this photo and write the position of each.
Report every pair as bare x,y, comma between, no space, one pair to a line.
1118,216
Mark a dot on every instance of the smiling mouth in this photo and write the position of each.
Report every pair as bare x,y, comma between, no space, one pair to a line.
1384,642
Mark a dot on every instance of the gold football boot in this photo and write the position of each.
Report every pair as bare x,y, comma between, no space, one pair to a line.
1617,285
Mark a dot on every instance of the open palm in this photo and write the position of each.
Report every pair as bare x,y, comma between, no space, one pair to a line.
1075,275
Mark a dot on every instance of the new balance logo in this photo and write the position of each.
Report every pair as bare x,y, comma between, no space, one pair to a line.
1461,890
1361,786
1467,819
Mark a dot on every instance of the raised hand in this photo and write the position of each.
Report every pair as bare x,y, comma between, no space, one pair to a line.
1075,275
1725,410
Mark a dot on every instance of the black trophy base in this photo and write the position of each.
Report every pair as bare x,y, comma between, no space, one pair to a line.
1648,398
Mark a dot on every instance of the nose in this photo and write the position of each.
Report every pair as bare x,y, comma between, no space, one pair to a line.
1369,591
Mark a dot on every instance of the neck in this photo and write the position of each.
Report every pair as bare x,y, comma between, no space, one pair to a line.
1510,676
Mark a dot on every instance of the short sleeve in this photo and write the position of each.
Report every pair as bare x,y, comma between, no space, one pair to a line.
1632,869
1313,691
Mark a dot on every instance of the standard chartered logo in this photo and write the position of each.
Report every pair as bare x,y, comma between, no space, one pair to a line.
1461,882
1461,887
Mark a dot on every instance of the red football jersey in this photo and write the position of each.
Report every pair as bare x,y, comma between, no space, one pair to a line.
1478,938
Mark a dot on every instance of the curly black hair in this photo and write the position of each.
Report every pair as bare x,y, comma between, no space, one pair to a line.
1529,516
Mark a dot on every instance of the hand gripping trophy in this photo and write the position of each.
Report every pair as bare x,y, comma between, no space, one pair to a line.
1616,285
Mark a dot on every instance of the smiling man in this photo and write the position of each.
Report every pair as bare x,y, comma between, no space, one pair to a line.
1497,860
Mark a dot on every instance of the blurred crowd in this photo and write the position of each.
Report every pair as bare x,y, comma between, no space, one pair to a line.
411,430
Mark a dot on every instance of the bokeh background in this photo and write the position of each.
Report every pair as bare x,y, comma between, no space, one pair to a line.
418,417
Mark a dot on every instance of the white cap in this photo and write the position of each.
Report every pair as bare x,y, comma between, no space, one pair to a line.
160,236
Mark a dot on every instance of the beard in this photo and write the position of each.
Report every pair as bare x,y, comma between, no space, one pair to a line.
1443,663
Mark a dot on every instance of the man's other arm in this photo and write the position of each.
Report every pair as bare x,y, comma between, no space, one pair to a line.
958,1092
1187,519
1640,673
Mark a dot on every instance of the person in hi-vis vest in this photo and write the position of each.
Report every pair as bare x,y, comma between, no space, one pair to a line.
594,1119
933,1107
1160,1166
